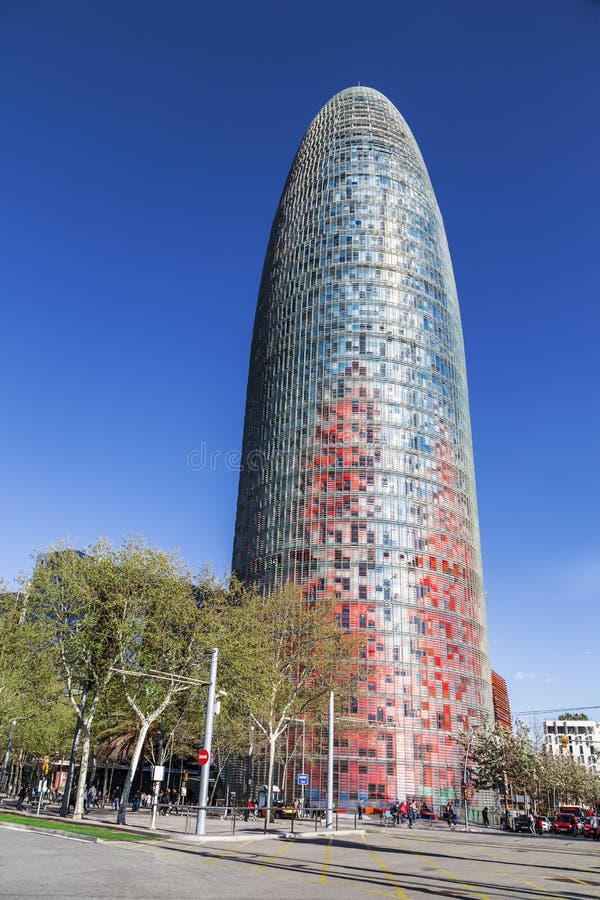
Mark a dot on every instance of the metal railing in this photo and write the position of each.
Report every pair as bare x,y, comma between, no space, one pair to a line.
269,818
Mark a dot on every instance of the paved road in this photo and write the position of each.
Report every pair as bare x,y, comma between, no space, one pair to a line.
395,863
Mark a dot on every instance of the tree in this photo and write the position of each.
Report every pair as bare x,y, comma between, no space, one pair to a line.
29,686
161,649
85,605
564,780
500,756
576,717
280,655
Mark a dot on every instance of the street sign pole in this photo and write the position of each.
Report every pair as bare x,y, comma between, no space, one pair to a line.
208,731
302,782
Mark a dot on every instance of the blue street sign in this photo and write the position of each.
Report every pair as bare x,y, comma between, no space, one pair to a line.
302,778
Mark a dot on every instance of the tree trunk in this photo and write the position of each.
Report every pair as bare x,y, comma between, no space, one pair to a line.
221,767
11,736
122,814
64,809
107,794
83,768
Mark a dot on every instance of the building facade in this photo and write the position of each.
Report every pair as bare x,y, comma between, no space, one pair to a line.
357,479
502,714
578,737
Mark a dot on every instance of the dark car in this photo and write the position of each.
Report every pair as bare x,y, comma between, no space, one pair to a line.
523,822
565,823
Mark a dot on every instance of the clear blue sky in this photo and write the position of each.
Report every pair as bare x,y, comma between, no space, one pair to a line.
144,147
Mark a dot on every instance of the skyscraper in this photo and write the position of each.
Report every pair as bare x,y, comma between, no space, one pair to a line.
358,479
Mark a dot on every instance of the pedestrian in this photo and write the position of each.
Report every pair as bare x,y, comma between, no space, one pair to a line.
403,812
412,813
450,815
116,798
22,796
93,796
164,803
485,817
531,823
360,809
595,826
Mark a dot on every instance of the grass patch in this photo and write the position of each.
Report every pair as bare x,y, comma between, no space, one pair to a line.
105,834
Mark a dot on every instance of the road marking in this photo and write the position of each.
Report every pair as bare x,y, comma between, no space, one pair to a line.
325,867
447,872
275,855
226,852
390,876
509,859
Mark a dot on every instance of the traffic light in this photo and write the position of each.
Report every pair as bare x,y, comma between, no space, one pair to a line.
46,765
185,775
564,741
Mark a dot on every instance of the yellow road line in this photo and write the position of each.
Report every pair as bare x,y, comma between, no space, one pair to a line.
390,876
509,859
447,872
226,852
274,857
325,867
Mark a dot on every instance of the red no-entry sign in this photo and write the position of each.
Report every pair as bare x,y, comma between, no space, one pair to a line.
202,756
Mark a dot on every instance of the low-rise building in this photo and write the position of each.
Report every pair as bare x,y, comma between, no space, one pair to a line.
579,737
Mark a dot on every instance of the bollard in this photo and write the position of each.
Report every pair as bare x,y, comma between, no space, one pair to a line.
233,824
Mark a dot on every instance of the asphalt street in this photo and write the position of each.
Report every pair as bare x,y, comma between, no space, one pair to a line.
395,863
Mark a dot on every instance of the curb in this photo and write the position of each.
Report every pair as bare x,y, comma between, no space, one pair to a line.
269,836
68,835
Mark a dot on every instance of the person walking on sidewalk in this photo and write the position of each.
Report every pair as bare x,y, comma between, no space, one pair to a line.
485,817
412,813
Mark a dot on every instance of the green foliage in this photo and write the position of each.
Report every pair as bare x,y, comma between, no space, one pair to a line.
498,755
101,832
500,758
577,717
279,655
566,780
29,686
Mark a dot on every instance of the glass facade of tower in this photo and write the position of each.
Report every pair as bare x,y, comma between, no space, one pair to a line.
357,479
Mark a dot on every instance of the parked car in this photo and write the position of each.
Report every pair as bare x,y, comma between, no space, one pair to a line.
522,822
565,823
285,810
543,824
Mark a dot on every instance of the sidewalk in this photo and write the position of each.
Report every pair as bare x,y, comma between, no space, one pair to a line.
183,827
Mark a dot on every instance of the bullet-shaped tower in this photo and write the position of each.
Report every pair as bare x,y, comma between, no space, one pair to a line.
357,479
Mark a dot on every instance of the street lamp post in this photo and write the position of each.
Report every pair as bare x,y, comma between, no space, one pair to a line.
208,732
329,802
